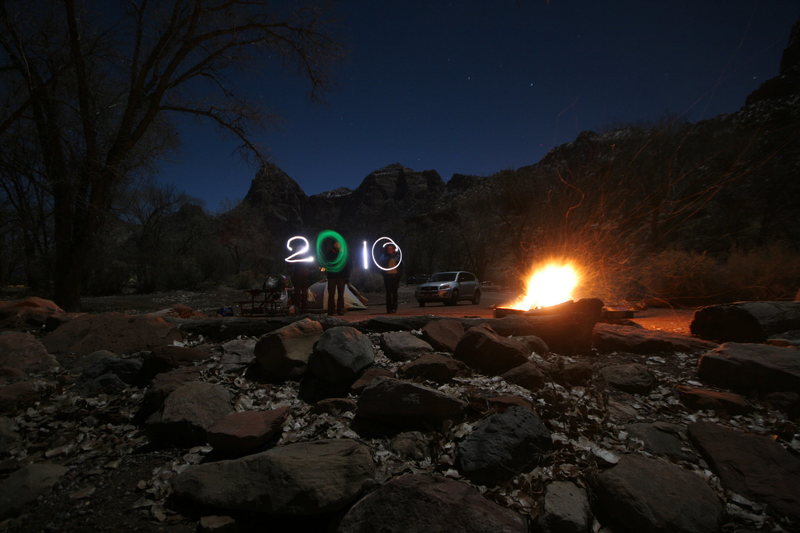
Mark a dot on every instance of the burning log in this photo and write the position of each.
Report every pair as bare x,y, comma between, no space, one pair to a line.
566,328
745,321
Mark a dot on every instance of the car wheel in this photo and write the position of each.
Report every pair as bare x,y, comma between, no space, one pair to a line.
421,303
476,298
453,299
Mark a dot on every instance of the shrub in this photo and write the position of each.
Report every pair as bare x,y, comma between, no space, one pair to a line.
767,273
677,274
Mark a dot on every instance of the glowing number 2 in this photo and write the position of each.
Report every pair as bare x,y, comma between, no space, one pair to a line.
384,245
303,250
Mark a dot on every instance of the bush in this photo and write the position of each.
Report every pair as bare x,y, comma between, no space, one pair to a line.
678,274
768,273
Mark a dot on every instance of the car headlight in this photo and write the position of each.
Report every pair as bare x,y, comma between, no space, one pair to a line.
445,286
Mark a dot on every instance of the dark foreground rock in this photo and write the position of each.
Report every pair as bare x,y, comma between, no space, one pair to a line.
188,413
434,367
643,494
752,367
634,378
618,338
246,431
21,353
116,332
390,405
26,484
566,509
489,353
745,321
443,334
503,445
424,503
340,354
306,478
753,466
284,353
403,346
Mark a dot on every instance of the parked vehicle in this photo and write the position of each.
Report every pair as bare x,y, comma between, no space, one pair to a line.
449,287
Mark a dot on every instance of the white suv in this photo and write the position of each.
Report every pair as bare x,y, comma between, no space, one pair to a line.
449,287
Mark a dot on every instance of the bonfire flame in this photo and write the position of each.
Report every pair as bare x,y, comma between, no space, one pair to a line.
550,285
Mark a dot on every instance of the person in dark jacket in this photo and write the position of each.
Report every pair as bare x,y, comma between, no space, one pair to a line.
391,277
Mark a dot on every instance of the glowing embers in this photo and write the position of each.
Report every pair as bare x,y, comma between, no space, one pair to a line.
549,285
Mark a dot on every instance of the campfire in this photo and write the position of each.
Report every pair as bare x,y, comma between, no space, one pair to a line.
546,288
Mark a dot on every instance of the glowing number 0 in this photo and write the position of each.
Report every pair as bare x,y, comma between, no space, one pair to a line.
303,250
338,264
387,243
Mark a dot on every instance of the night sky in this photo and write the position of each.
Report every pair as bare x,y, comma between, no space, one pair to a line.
475,87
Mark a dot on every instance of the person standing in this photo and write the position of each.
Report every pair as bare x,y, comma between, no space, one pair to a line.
301,281
391,277
336,280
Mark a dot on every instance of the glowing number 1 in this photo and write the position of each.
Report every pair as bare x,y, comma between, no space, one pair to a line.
303,250
364,256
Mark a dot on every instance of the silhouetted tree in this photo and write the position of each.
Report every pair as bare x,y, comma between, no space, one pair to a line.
94,83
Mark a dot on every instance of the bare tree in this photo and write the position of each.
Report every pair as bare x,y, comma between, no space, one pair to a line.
96,80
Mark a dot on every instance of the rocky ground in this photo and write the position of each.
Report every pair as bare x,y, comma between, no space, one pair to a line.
122,422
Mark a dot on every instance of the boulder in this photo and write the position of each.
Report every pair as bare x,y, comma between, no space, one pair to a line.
565,510
21,395
117,332
340,354
26,484
334,406
283,354
489,353
644,494
22,354
745,321
660,438
434,367
534,344
751,465
403,346
632,377
188,413
390,405
368,376
420,503
728,402
502,446
574,374
127,370
238,354
31,311
616,338
526,375
411,445
246,431
787,338
164,358
752,367
443,335
162,386
305,478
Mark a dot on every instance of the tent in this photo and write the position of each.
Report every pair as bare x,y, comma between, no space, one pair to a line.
318,297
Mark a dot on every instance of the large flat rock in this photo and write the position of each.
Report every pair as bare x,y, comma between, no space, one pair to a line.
751,465
424,503
752,367
117,332
620,338
644,494
305,478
